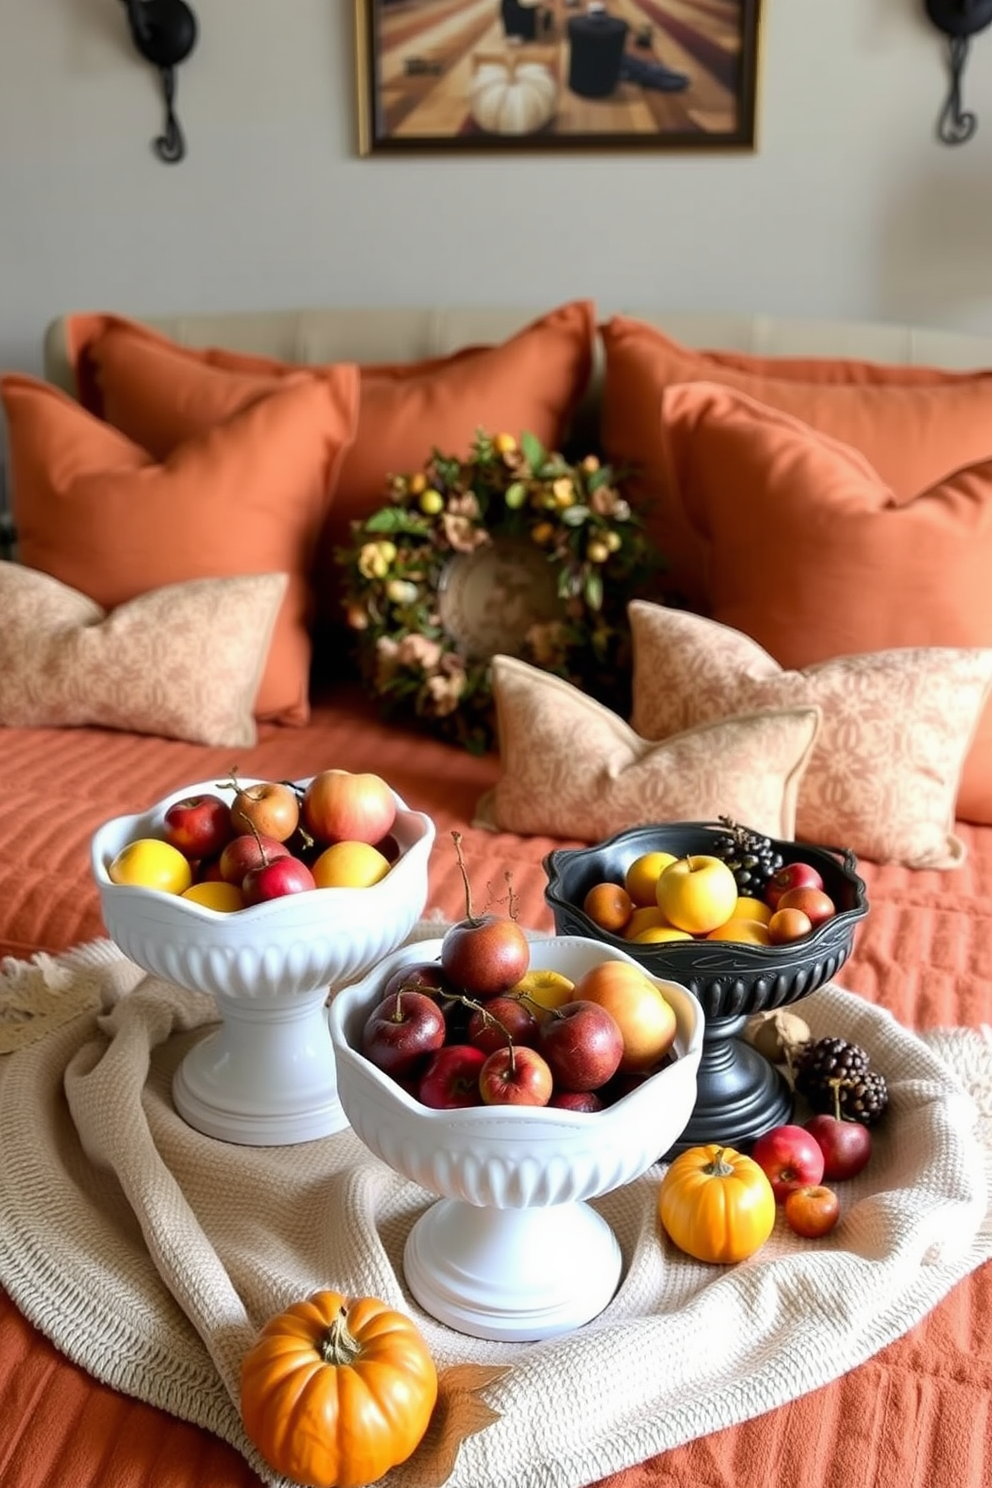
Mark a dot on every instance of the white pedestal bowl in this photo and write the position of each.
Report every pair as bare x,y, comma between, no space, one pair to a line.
266,1076
512,1250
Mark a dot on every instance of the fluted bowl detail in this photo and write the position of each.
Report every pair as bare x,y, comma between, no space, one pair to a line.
284,948
518,1157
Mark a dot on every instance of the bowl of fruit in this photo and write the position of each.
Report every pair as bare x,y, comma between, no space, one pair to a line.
515,1077
265,895
747,922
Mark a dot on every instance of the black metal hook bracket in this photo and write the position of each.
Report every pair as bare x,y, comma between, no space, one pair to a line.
959,20
164,32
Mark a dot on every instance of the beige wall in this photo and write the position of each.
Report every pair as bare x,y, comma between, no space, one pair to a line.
848,207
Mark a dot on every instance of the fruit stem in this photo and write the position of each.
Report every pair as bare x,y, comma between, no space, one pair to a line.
836,1085
480,1007
456,838
257,836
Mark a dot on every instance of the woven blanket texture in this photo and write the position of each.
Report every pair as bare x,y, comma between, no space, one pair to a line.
151,1254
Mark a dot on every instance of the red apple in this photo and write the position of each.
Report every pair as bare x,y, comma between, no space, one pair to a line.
485,956
576,1100
499,1020
450,1080
244,853
515,1077
402,1029
846,1145
270,808
342,806
276,878
816,905
583,1044
790,1158
418,976
199,826
791,876
812,1210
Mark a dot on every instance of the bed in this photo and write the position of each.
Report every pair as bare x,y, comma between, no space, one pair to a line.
914,1412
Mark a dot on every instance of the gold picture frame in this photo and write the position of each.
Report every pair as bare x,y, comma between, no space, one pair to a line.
523,75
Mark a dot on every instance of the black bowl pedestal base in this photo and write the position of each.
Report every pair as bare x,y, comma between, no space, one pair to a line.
740,1094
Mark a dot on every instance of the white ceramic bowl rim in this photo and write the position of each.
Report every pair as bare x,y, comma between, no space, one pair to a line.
410,827
343,1006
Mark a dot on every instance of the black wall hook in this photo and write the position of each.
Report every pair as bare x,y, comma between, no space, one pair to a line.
164,32
959,20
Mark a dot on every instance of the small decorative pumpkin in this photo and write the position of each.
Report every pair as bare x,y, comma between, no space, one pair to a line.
513,96
336,1391
716,1204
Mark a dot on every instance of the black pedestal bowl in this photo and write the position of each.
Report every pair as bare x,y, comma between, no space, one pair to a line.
740,1093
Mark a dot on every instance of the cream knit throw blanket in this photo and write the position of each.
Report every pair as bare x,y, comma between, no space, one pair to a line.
151,1254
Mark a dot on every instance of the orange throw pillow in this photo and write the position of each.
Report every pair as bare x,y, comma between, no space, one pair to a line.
160,394
807,550
98,512
915,425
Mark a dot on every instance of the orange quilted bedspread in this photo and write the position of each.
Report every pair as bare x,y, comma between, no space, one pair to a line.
916,1415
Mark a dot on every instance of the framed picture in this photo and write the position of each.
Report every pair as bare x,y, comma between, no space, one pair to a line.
515,75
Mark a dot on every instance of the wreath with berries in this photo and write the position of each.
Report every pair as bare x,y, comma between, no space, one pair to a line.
508,499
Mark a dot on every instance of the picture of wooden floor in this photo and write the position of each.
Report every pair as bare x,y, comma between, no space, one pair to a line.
477,72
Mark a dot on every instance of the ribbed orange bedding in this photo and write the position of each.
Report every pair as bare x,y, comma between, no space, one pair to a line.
917,1415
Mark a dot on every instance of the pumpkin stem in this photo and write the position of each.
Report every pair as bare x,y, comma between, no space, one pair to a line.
339,1346
717,1168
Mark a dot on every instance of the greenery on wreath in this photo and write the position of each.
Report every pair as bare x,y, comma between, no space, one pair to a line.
576,516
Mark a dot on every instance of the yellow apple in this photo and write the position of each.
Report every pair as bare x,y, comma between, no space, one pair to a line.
226,898
660,934
745,932
697,893
644,919
641,878
542,991
752,909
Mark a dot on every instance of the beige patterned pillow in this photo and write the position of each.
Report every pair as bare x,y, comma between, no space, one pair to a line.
571,768
896,728
183,661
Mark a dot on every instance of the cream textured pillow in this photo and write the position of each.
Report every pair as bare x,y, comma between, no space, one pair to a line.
183,661
897,726
573,769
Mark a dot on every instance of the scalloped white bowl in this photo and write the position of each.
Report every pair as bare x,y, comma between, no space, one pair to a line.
278,949
513,1250
266,1077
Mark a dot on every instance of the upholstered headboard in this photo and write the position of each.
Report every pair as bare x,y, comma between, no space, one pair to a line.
377,334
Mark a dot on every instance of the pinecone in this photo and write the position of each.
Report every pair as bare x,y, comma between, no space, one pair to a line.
863,1098
823,1060
835,1076
750,857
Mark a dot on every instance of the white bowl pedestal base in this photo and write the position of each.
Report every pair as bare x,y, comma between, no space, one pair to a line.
512,1274
266,1076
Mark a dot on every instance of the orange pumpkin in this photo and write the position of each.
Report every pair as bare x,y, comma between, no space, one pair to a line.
336,1391
716,1204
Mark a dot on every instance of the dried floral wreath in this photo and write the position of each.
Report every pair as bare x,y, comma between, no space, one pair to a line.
506,492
